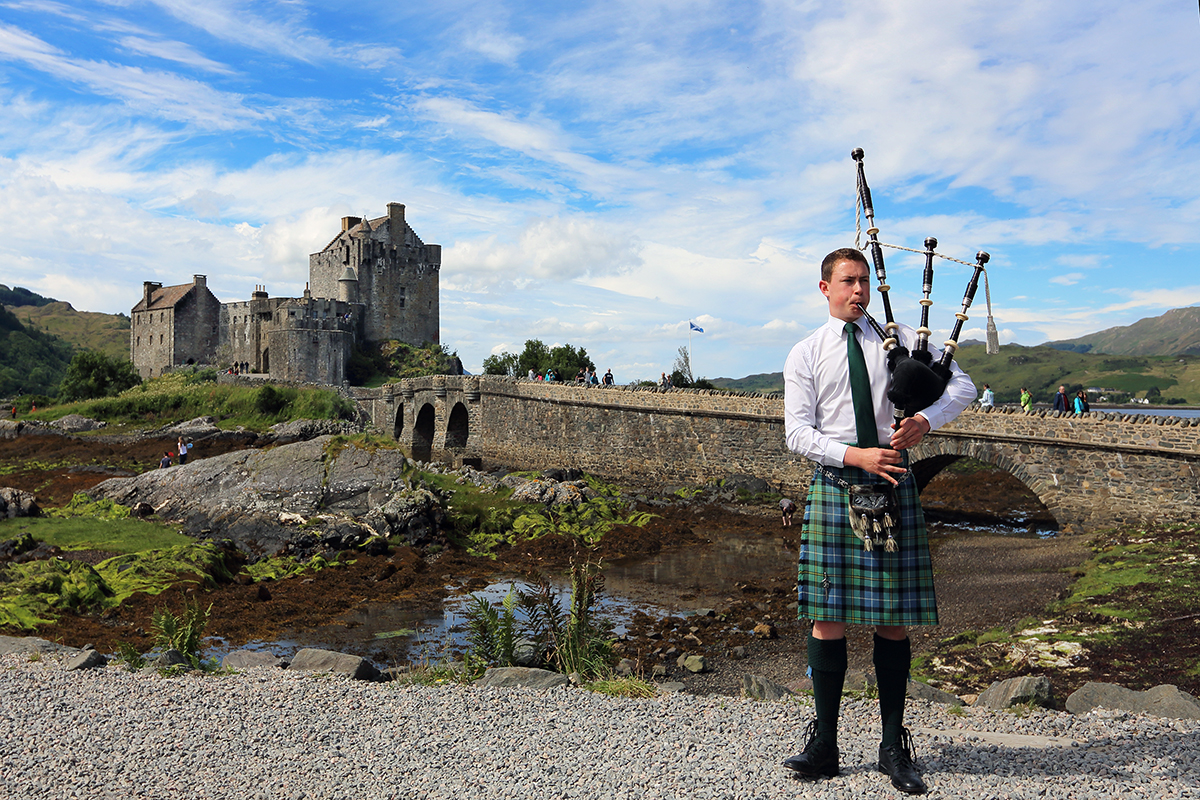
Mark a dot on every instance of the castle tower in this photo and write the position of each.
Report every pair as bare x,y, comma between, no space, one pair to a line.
396,276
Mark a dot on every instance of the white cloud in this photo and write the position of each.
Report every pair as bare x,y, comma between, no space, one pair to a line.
1069,279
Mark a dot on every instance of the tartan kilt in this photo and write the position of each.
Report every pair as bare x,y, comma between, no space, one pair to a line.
839,581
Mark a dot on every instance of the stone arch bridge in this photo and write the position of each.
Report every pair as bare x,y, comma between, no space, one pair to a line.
1098,470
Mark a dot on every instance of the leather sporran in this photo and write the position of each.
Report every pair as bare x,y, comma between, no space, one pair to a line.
874,515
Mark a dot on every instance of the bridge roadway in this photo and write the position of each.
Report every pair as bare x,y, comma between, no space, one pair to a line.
1098,470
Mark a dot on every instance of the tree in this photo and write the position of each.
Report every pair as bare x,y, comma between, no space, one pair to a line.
565,359
92,374
681,370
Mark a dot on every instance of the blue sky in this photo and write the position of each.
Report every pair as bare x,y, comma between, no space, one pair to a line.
599,173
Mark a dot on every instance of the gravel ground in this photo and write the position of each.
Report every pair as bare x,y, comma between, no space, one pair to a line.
270,733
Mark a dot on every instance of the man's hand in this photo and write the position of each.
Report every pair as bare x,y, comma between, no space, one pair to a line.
910,433
877,461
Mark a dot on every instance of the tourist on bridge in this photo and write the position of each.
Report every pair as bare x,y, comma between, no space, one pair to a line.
1026,400
608,377
988,401
837,414
1061,401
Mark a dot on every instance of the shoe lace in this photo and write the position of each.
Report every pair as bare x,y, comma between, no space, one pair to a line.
810,736
903,752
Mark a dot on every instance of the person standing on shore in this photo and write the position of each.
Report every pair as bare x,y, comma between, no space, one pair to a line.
837,414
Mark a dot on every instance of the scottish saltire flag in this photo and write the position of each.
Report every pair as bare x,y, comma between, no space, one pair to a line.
695,327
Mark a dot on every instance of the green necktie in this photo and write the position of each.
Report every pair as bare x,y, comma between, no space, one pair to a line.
860,390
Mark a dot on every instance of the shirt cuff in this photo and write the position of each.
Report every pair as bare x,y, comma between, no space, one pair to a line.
836,453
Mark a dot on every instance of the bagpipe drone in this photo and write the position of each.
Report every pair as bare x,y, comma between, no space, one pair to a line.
917,380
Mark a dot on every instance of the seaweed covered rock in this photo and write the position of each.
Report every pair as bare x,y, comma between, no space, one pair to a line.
16,503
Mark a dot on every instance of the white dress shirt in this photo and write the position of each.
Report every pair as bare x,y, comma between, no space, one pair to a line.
818,407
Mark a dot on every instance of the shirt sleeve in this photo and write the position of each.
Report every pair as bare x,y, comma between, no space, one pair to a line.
800,412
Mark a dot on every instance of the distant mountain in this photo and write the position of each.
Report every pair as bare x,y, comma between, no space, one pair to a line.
86,330
1175,333
18,296
763,382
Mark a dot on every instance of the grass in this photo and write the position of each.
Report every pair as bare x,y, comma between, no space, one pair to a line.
122,536
185,395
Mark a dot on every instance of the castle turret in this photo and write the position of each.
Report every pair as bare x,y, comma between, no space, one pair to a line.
348,286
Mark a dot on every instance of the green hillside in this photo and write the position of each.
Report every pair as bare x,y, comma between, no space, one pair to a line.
31,361
86,330
1176,332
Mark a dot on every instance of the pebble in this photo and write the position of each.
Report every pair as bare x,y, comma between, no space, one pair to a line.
269,733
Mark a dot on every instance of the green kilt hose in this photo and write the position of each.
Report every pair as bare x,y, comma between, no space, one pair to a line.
842,582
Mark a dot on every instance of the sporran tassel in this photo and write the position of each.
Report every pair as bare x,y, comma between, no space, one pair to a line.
891,545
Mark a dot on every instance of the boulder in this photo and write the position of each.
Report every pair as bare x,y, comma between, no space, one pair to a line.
28,645
857,680
1161,701
527,677
171,659
756,687
692,662
17,503
311,659
75,423
86,659
931,694
1016,691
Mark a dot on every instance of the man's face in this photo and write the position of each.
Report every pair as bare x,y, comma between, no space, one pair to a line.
1062,390
849,285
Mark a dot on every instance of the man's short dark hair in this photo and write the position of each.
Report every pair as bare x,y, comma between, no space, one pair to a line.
841,254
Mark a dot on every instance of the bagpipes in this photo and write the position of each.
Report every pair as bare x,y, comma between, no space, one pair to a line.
917,380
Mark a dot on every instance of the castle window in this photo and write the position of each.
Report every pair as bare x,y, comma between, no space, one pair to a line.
402,297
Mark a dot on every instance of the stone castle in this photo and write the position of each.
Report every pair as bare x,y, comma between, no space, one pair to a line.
375,281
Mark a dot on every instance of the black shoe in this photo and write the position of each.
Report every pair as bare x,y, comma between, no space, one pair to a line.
818,759
895,761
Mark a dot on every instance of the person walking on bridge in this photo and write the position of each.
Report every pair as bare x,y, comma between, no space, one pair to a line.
837,414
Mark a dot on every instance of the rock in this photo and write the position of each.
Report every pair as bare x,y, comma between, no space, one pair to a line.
11,548
575,678
692,662
626,666
858,681
17,503
737,651
756,687
141,510
171,659
28,645
746,483
526,653
672,686
923,691
74,423
706,612
305,429
527,677
658,671
86,659
1015,691
764,630
245,659
1161,701
311,659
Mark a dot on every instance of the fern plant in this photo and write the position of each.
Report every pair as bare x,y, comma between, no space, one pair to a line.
183,633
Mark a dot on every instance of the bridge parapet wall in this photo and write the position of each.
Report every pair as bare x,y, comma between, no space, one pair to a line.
1092,471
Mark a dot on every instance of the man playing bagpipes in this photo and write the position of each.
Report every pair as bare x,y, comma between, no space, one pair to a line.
864,555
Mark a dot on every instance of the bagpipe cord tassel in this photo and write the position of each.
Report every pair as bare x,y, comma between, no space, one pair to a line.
993,336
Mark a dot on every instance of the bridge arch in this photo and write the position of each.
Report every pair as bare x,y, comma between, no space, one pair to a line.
934,454
398,424
423,431
457,428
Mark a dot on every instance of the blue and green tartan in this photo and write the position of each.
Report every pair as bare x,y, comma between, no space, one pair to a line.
839,581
